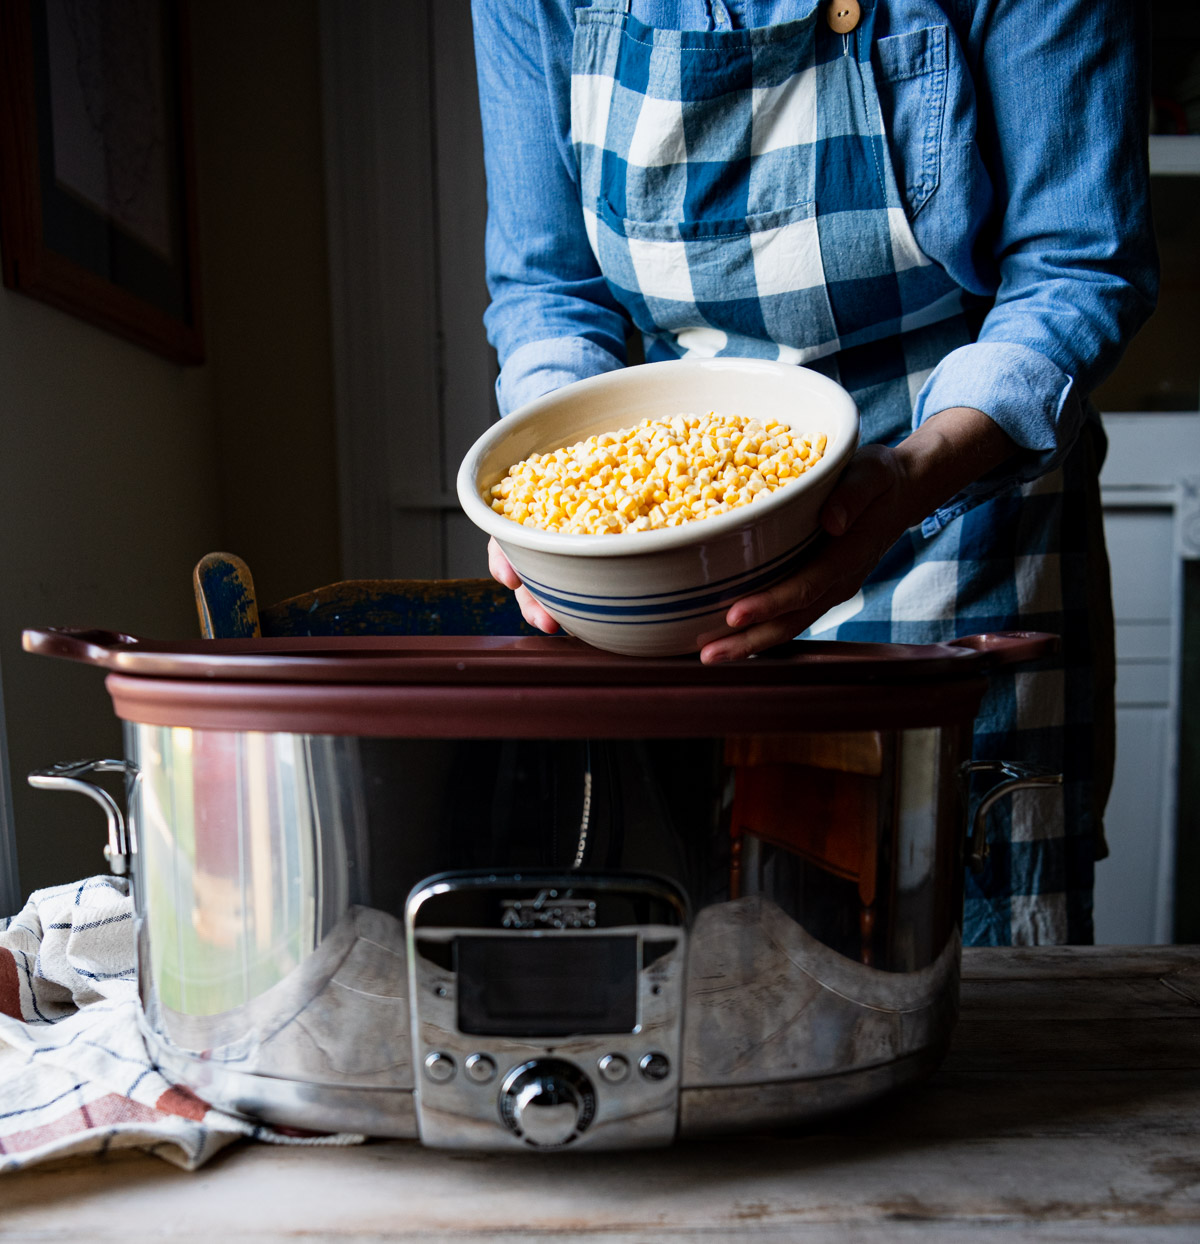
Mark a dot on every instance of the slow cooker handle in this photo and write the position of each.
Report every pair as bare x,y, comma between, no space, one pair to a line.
1020,777
88,645
1011,647
70,776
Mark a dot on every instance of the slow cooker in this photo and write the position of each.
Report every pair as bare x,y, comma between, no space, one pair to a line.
517,893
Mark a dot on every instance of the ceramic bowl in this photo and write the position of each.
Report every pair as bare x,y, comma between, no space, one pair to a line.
664,592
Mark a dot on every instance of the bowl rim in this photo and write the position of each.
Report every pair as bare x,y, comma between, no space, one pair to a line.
621,544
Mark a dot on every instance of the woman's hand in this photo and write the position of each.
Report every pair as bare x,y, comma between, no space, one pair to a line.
503,572
864,515
882,493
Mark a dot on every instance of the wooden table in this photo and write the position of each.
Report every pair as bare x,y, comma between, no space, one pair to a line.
1068,1110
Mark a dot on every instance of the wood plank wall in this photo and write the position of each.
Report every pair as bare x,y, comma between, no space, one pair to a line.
406,203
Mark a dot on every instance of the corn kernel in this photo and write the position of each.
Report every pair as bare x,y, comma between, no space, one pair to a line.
659,473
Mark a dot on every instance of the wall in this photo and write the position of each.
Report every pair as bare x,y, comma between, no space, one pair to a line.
118,470
106,500
259,148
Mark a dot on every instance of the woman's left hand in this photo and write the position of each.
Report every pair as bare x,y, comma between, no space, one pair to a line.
881,494
502,572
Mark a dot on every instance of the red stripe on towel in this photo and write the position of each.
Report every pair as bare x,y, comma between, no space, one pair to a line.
107,1111
182,1101
10,986
113,1108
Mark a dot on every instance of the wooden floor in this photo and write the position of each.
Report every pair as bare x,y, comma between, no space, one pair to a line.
1068,1110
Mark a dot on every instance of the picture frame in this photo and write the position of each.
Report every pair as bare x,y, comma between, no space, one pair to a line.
97,171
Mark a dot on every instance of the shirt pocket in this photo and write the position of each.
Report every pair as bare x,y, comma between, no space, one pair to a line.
911,80
714,260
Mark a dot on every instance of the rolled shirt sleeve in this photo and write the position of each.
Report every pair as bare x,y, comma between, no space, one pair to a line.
542,366
1070,257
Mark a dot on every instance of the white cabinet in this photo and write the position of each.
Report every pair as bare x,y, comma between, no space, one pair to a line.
1151,492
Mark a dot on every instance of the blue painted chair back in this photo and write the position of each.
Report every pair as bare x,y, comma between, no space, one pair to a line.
228,607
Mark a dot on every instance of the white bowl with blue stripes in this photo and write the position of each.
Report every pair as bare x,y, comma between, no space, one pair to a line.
664,592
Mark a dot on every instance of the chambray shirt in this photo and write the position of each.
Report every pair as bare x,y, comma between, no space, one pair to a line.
1033,191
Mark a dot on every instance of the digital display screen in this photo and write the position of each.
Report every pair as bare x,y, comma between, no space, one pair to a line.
546,986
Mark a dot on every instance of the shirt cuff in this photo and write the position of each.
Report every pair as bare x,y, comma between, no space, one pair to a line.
540,367
1022,391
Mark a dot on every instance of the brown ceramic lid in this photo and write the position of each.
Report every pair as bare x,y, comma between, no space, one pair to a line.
535,687
458,659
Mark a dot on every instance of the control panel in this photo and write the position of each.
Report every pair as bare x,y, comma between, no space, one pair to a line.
546,1009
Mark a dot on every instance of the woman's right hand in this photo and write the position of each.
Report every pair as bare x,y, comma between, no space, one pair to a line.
503,572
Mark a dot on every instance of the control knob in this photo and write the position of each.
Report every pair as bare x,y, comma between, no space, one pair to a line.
547,1102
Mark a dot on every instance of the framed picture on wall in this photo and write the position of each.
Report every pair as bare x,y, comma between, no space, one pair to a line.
97,183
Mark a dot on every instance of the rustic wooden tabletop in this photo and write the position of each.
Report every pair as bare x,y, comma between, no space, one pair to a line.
1068,1110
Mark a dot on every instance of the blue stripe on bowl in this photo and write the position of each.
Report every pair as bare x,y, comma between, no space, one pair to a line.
687,617
673,609
758,571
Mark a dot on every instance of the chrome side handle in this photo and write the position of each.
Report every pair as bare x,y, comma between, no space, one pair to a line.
1019,777
71,775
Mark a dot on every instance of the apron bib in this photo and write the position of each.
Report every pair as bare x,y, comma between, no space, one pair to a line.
739,195
738,190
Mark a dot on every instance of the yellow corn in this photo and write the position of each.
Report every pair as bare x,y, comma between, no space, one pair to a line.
661,473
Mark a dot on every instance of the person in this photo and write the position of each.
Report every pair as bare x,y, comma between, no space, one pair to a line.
942,204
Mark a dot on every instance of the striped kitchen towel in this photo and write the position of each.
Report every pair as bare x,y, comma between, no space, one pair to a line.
75,1075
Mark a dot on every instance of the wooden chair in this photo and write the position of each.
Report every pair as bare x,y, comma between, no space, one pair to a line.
816,796
229,609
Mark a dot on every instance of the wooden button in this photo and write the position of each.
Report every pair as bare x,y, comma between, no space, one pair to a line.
843,16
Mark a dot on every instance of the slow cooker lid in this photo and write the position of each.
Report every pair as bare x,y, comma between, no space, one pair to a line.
458,660
536,687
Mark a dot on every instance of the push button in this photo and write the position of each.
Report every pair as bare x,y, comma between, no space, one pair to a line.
480,1068
439,1067
613,1068
843,15
655,1066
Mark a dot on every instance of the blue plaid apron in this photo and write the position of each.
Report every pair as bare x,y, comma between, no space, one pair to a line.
739,195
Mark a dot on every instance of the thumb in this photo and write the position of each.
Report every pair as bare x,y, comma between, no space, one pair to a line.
868,477
500,568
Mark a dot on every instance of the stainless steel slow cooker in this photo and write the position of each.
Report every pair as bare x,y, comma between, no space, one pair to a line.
519,893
